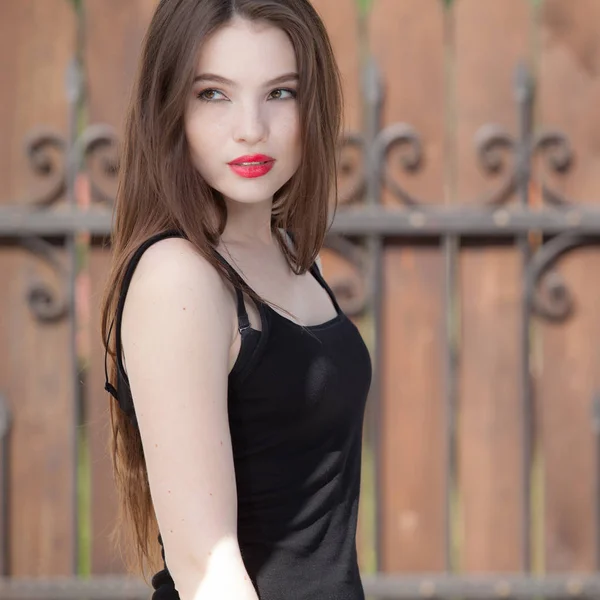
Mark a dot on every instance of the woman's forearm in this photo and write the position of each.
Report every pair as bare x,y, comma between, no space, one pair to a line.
222,576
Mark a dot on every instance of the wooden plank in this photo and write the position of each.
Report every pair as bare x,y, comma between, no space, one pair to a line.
114,32
413,417
490,39
341,20
569,93
407,41
36,43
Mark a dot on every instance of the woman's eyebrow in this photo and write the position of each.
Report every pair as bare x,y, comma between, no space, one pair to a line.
223,80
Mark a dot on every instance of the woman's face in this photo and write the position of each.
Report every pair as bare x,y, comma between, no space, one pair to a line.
242,109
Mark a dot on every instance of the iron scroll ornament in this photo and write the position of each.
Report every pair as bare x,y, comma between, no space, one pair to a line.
493,145
547,294
351,168
46,154
404,137
48,304
45,151
98,147
557,153
350,291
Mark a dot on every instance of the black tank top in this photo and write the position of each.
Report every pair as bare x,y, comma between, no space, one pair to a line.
296,399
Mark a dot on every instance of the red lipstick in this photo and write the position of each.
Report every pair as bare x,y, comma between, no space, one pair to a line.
252,165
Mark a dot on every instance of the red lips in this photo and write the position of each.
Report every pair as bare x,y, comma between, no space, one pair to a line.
251,158
262,165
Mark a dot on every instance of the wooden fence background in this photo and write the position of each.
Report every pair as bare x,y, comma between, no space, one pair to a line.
447,69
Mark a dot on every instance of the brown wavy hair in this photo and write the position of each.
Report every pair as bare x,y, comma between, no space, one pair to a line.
159,189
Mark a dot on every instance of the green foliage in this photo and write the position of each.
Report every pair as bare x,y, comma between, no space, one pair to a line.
448,3
76,4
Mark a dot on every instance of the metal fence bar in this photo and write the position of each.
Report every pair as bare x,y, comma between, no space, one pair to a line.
595,426
5,422
74,95
524,99
373,92
450,248
484,587
388,222
391,587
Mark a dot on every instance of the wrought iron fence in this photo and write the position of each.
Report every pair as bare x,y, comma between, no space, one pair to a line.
358,231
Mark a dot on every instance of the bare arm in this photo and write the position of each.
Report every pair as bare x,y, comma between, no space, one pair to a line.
177,331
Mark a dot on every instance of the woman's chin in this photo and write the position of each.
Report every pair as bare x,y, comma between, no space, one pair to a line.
247,198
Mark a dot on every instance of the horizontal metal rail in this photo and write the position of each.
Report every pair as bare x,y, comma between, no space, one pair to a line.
392,587
433,221
483,587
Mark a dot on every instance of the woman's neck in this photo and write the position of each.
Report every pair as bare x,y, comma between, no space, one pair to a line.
248,222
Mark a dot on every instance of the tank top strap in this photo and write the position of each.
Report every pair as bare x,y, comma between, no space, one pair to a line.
316,272
242,313
124,400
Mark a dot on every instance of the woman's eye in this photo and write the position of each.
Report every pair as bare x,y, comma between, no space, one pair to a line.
280,93
212,95
209,95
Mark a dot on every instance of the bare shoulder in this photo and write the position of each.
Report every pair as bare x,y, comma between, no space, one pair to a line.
176,293
172,272
176,261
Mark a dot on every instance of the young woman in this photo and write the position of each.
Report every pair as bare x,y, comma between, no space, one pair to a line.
238,384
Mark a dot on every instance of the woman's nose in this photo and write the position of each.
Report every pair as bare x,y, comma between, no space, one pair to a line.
250,124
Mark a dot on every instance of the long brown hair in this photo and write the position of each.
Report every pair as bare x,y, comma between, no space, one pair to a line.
159,188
